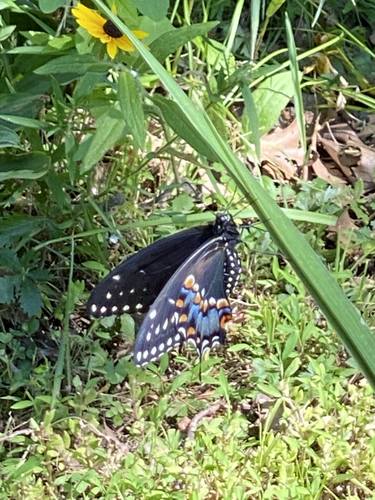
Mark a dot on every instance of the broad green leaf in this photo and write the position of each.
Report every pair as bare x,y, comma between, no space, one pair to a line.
16,226
22,121
170,41
33,464
270,390
7,286
270,98
6,32
340,312
8,138
21,405
20,104
109,129
131,102
176,119
87,83
71,64
48,6
156,10
23,166
30,298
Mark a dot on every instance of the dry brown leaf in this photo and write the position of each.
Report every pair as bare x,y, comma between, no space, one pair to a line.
355,159
344,227
281,152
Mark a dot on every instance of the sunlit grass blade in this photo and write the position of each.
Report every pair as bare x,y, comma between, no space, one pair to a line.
340,312
298,102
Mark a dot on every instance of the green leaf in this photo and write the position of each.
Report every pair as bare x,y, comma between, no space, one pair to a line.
30,298
270,390
21,405
16,226
23,166
72,63
48,6
24,122
8,138
7,286
156,10
131,103
86,85
292,368
20,104
32,464
127,326
270,98
109,129
176,119
170,41
6,32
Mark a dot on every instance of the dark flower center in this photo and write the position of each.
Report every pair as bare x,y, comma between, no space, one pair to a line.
111,30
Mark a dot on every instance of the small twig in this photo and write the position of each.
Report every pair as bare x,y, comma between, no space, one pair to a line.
21,432
208,412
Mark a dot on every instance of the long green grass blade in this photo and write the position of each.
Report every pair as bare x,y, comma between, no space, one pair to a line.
298,102
340,312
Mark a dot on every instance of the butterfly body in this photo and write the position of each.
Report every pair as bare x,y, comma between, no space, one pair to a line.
184,281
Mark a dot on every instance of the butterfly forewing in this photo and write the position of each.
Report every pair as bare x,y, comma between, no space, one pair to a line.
192,307
135,283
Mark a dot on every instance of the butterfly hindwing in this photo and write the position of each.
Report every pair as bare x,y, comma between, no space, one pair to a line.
135,283
192,307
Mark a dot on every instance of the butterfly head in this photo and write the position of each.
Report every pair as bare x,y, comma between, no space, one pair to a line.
226,227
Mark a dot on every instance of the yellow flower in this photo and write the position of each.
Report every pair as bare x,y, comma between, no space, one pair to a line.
105,30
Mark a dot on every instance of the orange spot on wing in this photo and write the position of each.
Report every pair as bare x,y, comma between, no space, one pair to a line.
191,331
222,303
189,282
225,319
183,318
179,303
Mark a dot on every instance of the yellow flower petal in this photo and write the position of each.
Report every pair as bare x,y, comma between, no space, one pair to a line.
140,34
125,44
85,14
105,38
93,29
112,48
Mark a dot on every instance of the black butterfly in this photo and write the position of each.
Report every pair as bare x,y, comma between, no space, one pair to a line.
183,281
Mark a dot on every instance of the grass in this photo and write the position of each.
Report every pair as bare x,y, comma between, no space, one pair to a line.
103,165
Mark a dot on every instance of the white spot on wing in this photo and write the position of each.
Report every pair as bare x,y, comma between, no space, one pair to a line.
108,296
139,356
126,308
148,337
103,309
114,309
93,308
116,277
139,306
152,314
161,347
145,354
165,325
